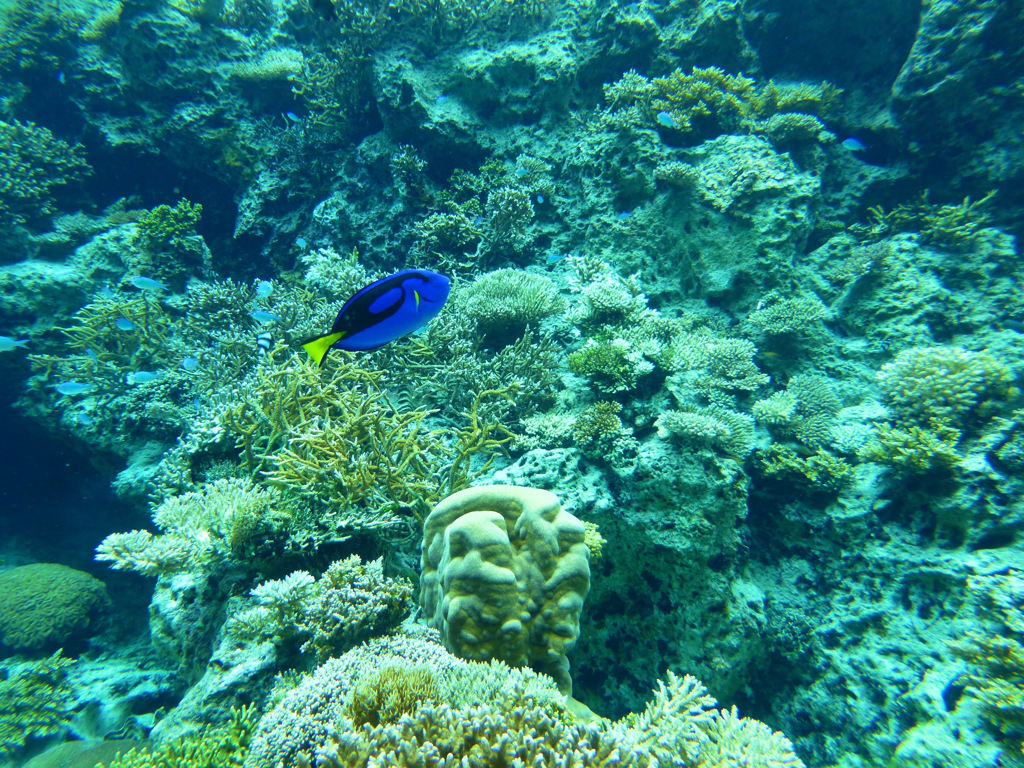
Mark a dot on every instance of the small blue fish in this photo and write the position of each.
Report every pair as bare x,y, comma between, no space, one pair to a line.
300,241
141,377
7,343
292,117
853,144
262,316
73,387
189,363
520,172
441,99
85,419
623,215
554,258
540,198
665,119
124,324
264,288
60,77
385,310
477,220
92,355
147,283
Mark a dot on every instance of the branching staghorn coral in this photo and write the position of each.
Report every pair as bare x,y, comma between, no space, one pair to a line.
343,454
956,227
283,398
140,342
365,466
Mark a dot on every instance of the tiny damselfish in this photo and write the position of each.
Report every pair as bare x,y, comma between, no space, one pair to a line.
383,311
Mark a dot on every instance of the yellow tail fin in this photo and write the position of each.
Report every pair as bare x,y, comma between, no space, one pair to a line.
318,347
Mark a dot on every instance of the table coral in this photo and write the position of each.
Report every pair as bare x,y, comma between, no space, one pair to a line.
505,572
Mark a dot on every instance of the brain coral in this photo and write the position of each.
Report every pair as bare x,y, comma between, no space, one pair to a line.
505,573
45,605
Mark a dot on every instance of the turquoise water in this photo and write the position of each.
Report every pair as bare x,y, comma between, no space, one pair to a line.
695,434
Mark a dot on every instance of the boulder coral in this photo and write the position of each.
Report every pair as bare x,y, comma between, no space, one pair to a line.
47,605
505,572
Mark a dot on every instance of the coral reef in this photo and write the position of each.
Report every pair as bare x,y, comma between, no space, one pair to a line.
404,700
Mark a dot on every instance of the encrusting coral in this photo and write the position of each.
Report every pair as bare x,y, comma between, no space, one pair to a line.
505,572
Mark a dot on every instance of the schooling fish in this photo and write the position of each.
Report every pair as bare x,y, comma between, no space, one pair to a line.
7,343
383,311
147,283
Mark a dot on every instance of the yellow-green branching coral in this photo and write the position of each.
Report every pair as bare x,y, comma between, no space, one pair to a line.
943,384
35,701
33,164
996,656
221,745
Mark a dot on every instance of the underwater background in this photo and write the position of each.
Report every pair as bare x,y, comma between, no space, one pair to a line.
720,429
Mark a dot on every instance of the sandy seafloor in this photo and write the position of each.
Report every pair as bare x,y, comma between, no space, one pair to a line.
734,325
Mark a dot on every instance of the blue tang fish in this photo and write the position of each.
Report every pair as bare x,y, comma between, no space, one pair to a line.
383,311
